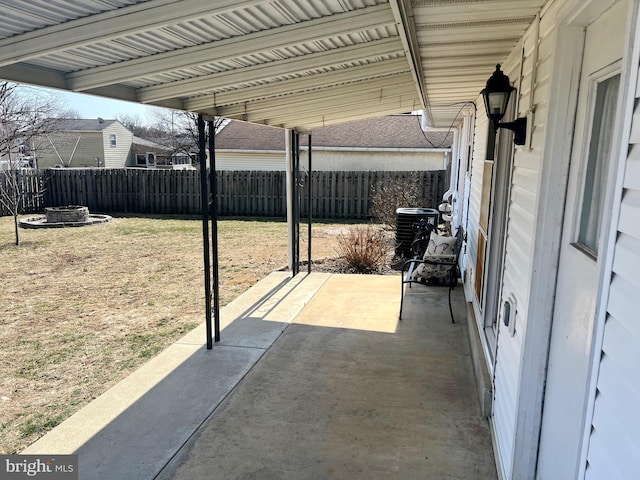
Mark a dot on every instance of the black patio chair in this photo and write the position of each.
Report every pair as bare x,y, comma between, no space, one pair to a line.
434,268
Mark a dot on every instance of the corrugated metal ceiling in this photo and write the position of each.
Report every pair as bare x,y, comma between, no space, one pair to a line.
291,63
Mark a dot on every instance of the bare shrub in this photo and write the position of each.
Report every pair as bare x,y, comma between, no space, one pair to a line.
389,195
364,248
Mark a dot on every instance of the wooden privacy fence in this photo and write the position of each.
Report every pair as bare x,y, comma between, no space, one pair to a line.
348,194
240,193
125,190
29,187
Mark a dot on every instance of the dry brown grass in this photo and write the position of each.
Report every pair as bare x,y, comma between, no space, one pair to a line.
83,307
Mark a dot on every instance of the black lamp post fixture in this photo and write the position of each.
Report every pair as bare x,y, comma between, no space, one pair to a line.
496,98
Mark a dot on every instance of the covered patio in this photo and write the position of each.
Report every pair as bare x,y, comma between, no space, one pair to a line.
314,377
552,306
311,378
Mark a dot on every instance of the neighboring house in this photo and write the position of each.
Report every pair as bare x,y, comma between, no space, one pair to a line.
85,143
22,163
393,142
19,157
149,154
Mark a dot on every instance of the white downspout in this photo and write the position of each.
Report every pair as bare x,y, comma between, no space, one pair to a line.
454,154
423,121
453,180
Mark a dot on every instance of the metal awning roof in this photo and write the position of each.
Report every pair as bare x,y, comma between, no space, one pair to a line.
291,63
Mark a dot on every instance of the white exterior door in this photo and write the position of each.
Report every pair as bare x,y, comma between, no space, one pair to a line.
571,348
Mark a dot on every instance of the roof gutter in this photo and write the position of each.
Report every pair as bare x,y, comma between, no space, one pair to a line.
379,149
342,149
403,15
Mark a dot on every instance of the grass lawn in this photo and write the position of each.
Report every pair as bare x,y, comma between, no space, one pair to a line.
83,307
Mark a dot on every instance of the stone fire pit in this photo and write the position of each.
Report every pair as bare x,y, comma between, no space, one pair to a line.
71,213
67,216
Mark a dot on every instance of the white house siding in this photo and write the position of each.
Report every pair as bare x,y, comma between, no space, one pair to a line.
464,179
517,274
89,146
479,149
506,357
462,150
116,157
357,160
271,161
614,443
334,160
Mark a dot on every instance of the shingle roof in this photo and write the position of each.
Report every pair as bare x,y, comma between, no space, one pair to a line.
83,125
394,131
238,135
148,143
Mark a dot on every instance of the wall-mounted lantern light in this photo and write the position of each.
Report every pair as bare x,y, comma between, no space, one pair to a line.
496,98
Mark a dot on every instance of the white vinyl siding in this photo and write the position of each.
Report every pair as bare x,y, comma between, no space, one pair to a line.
327,160
116,157
478,155
334,160
463,185
87,145
517,275
250,161
614,443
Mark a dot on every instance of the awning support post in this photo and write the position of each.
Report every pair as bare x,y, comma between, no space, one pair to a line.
292,145
297,195
204,197
213,210
309,207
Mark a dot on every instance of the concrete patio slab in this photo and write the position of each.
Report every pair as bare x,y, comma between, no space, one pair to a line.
361,302
334,400
298,388
136,427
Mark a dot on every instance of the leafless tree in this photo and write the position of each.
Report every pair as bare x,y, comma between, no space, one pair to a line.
182,129
24,114
390,195
135,124
175,129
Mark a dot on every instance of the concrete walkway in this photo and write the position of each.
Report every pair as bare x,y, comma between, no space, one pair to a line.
314,378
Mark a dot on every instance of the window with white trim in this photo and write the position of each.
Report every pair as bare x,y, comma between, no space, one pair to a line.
598,164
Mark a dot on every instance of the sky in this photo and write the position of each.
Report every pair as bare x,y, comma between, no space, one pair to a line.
90,106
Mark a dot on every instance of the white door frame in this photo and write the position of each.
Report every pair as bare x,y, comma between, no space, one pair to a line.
571,21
